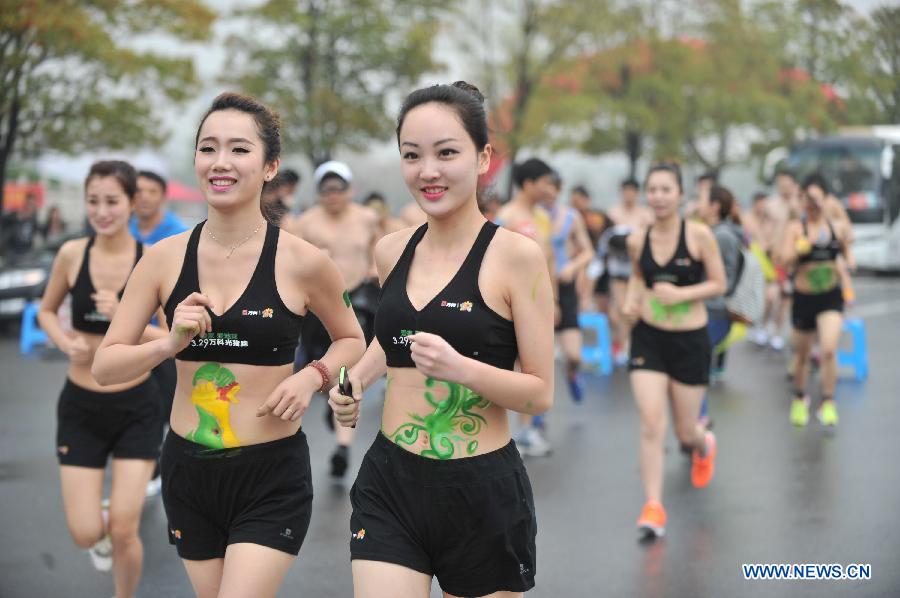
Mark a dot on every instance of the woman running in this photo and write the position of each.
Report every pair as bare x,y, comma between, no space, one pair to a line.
95,421
235,464
676,265
811,248
443,492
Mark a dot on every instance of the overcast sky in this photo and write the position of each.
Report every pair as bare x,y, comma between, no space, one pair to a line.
174,159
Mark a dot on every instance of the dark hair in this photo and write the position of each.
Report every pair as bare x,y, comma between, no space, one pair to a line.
123,172
816,180
373,197
268,124
710,175
669,167
786,172
759,195
464,98
283,178
728,207
581,190
630,182
530,170
148,174
557,180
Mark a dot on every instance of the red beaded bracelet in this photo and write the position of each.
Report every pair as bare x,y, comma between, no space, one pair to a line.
323,371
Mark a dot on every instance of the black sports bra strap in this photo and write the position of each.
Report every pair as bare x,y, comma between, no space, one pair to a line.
270,244
472,263
85,261
410,249
682,241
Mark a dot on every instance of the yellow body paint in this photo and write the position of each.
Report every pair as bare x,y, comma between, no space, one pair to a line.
215,390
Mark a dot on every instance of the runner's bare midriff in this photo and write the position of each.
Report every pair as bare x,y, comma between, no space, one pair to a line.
438,419
81,374
215,403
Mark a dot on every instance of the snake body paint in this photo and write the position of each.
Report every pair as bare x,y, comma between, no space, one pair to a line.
450,427
820,278
675,312
214,392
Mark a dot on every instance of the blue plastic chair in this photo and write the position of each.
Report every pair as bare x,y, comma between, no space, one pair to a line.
31,334
599,353
858,355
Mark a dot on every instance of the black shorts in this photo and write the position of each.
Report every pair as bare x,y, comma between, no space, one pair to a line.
470,522
260,494
92,425
807,307
166,378
601,287
568,306
683,355
314,339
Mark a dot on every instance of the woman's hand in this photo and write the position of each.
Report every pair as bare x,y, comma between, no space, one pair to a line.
78,350
189,320
668,293
631,311
346,409
106,302
290,399
435,358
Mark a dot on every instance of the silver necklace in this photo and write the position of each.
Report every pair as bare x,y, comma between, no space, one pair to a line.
231,248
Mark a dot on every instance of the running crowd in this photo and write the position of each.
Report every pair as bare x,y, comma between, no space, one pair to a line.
194,353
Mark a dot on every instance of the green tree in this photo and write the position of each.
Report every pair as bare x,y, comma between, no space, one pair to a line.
330,67
880,90
69,82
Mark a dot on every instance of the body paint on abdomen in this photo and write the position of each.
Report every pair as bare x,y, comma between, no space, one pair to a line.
214,390
450,427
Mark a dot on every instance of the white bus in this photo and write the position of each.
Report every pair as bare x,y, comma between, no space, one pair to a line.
862,165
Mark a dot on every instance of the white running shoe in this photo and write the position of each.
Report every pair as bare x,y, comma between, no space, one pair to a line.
154,487
760,337
101,554
533,444
777,343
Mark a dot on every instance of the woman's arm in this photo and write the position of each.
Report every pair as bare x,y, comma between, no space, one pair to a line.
531,301
57,287
120,357
631,306
786,255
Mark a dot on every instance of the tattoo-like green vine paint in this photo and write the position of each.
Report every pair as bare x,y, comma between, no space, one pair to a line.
534,287
449,425
674,312
820,278
347,298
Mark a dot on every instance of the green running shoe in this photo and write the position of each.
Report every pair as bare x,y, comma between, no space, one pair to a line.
800,412
827,414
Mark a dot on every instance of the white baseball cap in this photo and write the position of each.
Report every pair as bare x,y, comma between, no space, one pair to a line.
332,167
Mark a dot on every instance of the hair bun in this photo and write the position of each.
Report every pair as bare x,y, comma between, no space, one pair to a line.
470,89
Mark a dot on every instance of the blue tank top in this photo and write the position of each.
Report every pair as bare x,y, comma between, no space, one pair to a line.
558,240
458,313
85,317
257,330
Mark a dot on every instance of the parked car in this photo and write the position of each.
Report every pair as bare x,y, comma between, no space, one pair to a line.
24,277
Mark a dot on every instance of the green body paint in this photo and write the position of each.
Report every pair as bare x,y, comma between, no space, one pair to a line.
534,287
214,391
821,278
450,423
347,298
675,312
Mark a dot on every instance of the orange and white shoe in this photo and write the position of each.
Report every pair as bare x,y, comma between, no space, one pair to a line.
703,468
652,521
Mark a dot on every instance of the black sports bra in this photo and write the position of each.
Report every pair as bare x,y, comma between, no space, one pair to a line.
85,317
822,250
258,329
457,313
682,270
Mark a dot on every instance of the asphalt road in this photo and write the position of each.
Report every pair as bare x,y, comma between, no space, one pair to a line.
781,495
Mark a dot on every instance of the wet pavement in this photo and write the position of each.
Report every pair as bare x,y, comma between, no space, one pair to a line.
781,495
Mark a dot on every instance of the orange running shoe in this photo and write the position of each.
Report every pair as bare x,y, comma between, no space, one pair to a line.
703,468
652,521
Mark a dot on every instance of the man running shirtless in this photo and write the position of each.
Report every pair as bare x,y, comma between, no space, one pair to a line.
347,232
